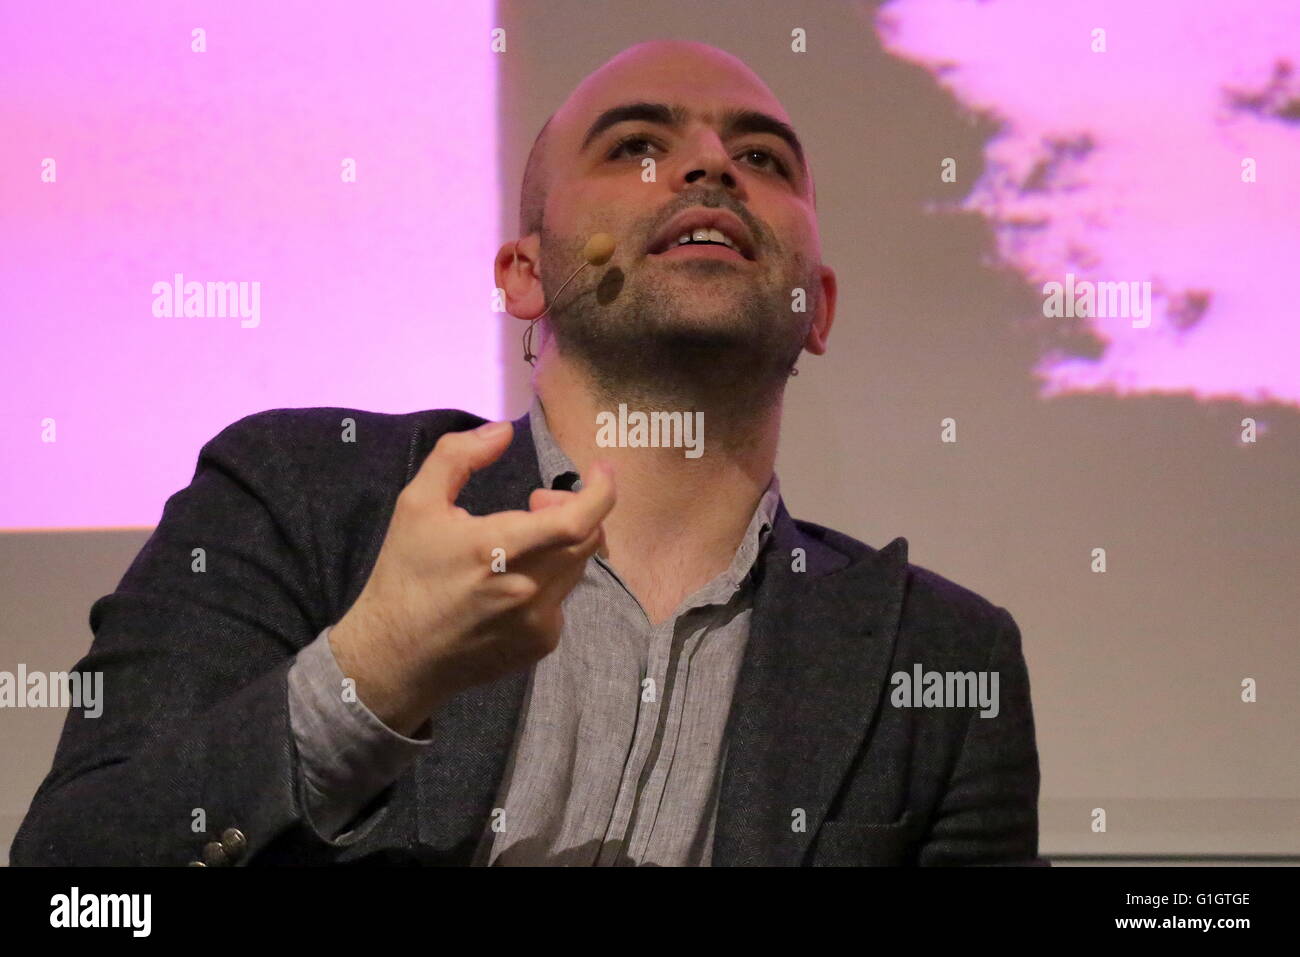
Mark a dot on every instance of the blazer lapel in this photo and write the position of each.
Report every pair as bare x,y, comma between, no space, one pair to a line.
459,774
812,679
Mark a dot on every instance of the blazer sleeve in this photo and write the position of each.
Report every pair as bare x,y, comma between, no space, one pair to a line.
989,812
194,646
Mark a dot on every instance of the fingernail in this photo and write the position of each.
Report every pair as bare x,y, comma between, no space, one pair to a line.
490,430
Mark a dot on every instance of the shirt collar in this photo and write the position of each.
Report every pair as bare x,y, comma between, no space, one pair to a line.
551,460
555,466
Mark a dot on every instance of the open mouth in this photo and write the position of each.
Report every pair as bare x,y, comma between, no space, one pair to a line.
705,237
698,245
704,233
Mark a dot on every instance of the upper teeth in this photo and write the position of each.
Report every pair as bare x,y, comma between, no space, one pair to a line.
706,236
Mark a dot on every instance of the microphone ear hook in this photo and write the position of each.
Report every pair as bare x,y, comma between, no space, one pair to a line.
598,250
529,356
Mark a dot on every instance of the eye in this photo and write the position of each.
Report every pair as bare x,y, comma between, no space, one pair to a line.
631,146
762,159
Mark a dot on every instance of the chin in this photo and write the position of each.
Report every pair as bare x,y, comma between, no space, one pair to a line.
706,295
719,324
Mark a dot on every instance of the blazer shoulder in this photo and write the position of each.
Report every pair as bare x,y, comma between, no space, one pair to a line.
276,423
313,436
334,459
930,589
957,627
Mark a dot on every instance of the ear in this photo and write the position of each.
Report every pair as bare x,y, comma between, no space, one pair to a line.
518,272
824,317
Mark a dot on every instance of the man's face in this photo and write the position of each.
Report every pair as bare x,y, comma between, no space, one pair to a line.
724,158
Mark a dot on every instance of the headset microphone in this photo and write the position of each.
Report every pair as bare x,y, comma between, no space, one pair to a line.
599,248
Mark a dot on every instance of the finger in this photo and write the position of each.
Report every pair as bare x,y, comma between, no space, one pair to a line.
542,563
557,587
546,497
557,572
567,523
457,455
579,553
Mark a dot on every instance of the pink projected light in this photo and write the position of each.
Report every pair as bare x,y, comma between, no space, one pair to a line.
326,174
1132,165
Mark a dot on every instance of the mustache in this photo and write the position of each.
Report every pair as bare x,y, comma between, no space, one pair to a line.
712,199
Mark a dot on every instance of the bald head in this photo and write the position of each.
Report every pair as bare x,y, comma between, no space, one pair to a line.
532,194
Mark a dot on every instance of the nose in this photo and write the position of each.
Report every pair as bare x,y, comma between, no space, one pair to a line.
705,162
723,176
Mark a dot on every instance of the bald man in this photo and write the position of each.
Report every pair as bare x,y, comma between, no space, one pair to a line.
591,636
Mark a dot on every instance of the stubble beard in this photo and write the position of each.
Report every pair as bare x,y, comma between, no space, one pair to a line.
638,345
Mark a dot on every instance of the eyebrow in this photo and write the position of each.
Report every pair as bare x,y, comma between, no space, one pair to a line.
734,122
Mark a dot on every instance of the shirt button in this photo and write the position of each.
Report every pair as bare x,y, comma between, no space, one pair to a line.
234,843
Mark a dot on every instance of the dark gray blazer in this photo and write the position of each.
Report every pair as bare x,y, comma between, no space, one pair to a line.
194,737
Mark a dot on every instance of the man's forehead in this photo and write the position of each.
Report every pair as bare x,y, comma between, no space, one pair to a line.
703,80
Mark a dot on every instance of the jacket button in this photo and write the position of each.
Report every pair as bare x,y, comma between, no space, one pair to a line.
234,843
214,855
196,864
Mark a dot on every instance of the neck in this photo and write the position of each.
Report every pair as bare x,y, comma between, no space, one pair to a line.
692,512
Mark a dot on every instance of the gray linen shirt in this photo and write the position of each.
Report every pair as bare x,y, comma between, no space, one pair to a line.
619,751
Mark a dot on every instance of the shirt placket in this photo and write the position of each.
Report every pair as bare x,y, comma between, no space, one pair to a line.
651,797
647,719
